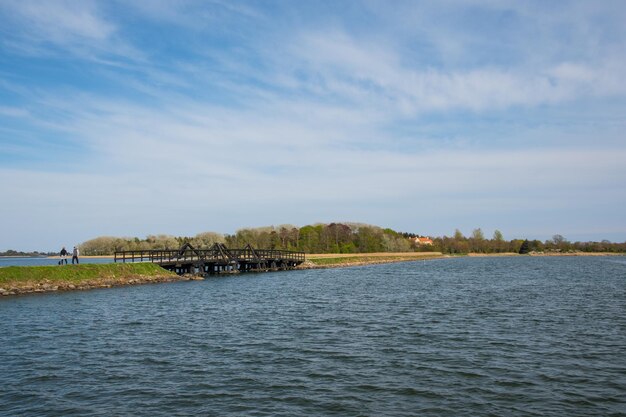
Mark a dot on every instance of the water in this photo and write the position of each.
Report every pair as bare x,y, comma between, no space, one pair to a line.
31,261
453,337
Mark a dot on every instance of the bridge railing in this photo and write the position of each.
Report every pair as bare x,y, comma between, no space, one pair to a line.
267,254
214,254
145,256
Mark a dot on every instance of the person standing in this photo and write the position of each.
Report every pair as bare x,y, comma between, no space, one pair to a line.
63,256
75,255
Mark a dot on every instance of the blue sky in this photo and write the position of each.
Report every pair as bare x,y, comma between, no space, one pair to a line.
179,117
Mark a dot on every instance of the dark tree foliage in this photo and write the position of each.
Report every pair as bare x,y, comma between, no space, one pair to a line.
525,248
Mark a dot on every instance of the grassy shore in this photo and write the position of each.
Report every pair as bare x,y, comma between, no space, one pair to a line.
27,279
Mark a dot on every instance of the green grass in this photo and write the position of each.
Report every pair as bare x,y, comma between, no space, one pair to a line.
76,274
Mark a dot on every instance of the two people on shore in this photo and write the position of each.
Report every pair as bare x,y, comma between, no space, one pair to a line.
64,253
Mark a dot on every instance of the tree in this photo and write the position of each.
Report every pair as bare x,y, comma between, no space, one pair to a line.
393,243
284,234
309,239
560,243
558,239
337,235
459,243
369,239
207,239
498,241
477,234
525,248
477,241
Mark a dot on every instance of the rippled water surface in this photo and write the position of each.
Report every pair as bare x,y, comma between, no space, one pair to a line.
487,336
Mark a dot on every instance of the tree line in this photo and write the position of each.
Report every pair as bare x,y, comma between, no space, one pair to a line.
478,243
318,238
346,238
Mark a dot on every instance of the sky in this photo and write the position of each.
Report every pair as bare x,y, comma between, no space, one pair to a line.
147,117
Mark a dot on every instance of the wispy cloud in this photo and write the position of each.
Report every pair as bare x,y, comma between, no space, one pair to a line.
13,111
361,72
59,27
60,21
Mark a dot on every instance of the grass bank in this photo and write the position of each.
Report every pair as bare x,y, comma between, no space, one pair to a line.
27,279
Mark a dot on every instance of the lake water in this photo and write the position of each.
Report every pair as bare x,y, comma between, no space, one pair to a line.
469,336
29,261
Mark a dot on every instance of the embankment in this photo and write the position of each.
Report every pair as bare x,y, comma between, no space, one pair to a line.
34,279
316,261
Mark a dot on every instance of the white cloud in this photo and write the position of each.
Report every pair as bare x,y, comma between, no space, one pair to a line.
13,111
61,27
60,21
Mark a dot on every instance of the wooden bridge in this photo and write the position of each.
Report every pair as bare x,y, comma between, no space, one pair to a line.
218,259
